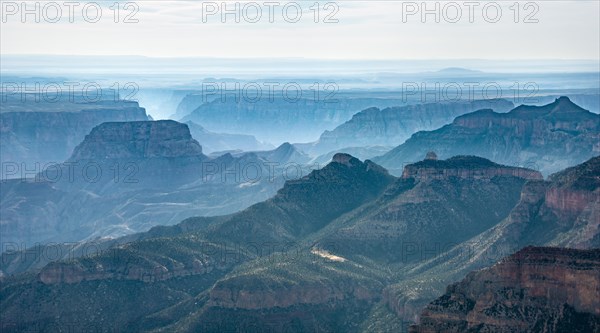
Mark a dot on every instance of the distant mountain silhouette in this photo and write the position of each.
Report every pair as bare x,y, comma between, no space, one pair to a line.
546,138
279,119
458,70
35,134
392,126
213,142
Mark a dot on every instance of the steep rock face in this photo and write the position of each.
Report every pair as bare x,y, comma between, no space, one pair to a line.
568,202
435,205
534,290
392,126
127,140
547,138
146,154
563,211
573,196
189,103
50,136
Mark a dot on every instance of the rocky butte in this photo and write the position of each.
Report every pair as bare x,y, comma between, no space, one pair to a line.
138,139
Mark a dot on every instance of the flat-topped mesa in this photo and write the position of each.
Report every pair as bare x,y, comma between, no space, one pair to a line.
138,139
466,167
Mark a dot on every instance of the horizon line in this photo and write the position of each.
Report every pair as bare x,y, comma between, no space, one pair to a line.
289,58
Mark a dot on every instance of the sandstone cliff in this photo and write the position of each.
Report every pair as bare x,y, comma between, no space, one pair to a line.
563,211
534,290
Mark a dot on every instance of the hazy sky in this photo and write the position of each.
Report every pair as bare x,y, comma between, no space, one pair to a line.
364,30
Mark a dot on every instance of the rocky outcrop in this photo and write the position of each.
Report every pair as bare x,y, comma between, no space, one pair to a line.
434,206
128,156
392,126
135,140
135,263
547,138
70,273
568,202
587,101
535,290
344,159
562,211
